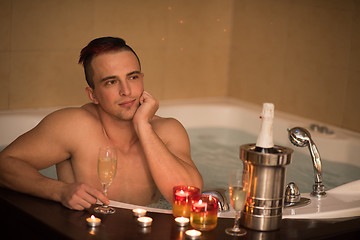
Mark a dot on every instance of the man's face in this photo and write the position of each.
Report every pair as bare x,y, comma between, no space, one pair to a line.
118,83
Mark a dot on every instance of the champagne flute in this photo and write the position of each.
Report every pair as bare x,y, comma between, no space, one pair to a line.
107,161
238,192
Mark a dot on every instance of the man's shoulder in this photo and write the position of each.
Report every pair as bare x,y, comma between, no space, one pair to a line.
170,130
71,114
164,121
166,125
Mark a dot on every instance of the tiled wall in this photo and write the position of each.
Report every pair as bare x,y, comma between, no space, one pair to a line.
302,55
183,46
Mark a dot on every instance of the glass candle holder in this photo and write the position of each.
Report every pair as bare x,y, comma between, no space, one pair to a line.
183,197
204,212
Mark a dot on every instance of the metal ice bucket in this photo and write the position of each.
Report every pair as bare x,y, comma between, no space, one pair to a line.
266,175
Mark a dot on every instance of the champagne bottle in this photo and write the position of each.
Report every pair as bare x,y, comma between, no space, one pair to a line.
265,142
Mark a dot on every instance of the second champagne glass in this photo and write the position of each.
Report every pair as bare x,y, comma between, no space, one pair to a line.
107,164
238,192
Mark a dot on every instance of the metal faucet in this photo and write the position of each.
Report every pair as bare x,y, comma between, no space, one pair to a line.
300,137
220,195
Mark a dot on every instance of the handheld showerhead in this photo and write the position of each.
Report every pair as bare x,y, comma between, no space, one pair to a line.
300,137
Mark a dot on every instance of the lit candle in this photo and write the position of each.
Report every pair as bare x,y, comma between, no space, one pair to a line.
183,197
203,215
182,194
139,212
93,221
200,206
193,234
145,221
182,221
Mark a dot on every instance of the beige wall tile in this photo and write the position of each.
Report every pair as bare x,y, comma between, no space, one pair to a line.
49,25
351,113
317,60
258,50
5,26
140,21
5,47
307,71
198,48
153,65
327,4
38,80
4,79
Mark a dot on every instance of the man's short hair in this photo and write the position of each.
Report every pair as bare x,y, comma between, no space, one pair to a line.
99,46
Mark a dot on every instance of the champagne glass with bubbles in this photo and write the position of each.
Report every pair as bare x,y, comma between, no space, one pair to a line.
238,185
107,161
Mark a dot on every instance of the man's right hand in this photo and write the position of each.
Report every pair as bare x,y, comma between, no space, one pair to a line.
79,196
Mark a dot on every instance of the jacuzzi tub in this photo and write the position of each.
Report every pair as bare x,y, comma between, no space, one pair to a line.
342,146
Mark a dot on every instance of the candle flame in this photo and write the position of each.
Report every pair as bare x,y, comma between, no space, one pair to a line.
92,217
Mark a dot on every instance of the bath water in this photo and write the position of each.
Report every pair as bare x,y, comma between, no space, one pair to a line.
216,151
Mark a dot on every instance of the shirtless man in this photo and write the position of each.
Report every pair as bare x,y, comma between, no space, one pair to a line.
153,152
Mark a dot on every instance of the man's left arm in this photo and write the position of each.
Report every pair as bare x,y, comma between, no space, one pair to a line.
167,148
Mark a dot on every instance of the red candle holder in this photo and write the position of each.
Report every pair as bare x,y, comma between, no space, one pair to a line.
183,197
204,212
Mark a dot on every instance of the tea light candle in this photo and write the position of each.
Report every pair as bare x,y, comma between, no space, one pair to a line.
93,221
182,194
193,234
145,221
139,212
200,206
182,221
